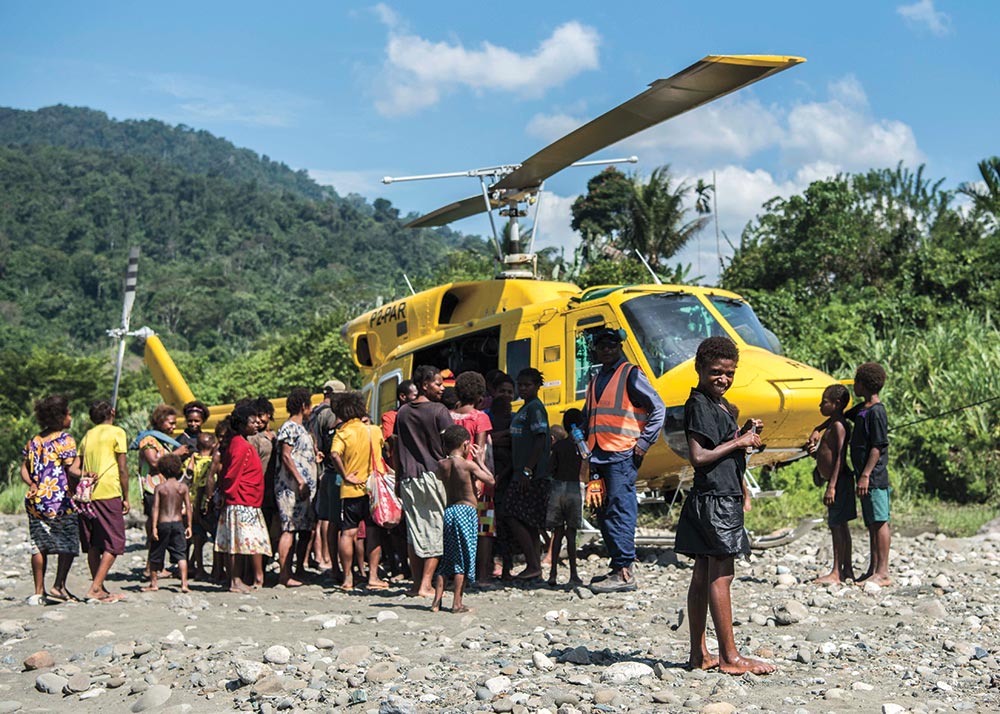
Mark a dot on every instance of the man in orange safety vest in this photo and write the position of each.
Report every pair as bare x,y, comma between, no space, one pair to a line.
624,417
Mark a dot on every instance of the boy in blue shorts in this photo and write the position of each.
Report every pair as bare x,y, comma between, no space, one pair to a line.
870,457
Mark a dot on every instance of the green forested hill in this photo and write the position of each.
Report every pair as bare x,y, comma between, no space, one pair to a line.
224,261
190,150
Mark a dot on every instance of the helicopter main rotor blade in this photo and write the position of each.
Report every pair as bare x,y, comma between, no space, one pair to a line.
705,80
452,212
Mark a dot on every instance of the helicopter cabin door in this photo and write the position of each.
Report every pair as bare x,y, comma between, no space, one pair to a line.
581,365
385,400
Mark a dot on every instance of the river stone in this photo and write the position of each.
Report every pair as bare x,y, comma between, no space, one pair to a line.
79,682
789,612
277,654
268,684
156,696
604,696
396,705
248,671
39,660
892,708
381,672
933,609
385,616
621,672
718,708
353,654
50,683
498,685
542,661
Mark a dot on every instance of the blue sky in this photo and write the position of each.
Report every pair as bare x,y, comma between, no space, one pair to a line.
353,92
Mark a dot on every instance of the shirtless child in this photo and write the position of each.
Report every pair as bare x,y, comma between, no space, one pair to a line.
171,522
835,472
461,522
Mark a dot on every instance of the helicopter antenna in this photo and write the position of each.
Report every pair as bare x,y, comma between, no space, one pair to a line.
409,284
534,222
656,278
489,212
120,333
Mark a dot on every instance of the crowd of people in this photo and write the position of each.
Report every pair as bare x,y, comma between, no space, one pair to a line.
475,486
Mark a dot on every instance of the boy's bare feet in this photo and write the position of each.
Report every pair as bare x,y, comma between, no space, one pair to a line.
151,588
881,580
436,605
828,579
703,661
460,610
185,589
239,587
552,581
293,583
742,665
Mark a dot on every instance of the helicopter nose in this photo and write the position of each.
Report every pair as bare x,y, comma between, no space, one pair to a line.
787,393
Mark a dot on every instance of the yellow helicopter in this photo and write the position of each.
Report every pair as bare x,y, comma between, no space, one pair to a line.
516,321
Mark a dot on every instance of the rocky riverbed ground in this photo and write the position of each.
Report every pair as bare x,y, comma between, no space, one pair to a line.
929,643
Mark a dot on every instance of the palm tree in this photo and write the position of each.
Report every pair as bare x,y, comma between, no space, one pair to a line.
986,197
657,225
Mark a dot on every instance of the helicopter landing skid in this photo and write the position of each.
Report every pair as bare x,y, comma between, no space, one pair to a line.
588,534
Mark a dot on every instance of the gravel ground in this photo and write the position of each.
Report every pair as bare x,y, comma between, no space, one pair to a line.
929,643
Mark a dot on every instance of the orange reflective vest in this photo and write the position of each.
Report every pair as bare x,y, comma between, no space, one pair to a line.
615,424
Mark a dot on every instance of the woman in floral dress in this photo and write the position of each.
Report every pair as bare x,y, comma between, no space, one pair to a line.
50,461
295,487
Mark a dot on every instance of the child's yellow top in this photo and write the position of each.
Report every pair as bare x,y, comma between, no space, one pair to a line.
198,466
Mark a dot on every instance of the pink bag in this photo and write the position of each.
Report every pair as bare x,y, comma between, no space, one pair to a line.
386,508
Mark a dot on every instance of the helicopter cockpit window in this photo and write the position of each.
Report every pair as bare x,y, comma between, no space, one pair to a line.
744,321
669,327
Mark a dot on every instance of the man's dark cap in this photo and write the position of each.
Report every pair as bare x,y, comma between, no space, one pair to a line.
608,334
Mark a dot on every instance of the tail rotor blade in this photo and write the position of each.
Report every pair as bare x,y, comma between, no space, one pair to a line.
131,276
118,371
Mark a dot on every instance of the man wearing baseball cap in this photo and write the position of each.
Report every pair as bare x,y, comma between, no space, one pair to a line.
624,416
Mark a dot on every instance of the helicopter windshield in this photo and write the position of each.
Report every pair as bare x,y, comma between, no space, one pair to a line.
669,327
744,321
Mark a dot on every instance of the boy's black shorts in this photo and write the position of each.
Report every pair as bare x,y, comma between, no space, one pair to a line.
171,540
354,512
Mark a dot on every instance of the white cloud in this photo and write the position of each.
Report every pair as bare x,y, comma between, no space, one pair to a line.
418,72
202,100
922,16
549,127
366,183
844,133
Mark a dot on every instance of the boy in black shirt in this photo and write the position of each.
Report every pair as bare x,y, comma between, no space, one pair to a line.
870,457
711,529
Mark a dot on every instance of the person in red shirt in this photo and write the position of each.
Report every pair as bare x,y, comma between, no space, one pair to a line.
242,530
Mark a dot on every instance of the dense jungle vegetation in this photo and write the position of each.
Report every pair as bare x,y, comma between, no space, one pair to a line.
249,269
